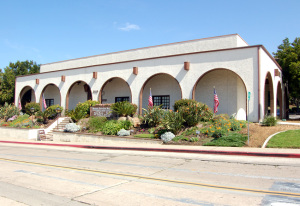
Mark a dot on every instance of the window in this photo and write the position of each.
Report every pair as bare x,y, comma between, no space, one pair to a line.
49,102
121,99
163,100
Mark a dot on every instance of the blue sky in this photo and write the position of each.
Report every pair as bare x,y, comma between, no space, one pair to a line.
49,31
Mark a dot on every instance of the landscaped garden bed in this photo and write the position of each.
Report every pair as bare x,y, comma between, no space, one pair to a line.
190,123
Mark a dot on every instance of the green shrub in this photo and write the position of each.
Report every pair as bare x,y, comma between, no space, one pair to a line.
124,109
51,113
125,124
194,139
172,121
76,115
82,110
183,103
30,105
95,124
192,111
269,121
85,106
112,127
153,115
231,140
177,138
222,125
8,111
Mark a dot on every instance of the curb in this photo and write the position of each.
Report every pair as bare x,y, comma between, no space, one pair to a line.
257,154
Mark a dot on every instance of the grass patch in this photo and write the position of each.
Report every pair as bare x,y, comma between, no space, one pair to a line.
151,136
287,139
231,140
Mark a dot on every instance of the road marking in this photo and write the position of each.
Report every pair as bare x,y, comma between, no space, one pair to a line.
277,193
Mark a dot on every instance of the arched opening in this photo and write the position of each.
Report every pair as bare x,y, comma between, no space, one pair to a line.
27,95
165,91
279,110
51,95
268,95
230,88
79,91
115,90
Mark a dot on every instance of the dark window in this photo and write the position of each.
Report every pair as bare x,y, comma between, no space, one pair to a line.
49,102
163,100
121,99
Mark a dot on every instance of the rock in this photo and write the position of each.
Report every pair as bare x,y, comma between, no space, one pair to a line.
136,121
122,119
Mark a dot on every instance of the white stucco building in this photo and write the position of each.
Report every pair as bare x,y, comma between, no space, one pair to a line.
188,69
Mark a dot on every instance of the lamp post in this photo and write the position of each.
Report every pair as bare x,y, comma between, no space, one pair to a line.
32,110
58,111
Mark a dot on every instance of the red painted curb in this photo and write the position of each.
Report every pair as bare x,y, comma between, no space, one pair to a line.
259,154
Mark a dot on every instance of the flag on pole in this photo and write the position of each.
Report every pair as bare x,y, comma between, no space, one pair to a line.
20,106
150,100
216,101
44,102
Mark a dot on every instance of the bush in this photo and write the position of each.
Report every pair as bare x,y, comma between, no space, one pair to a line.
95,124
230,140
183,103
85,106
8,111
194,139
221,125
167,137
269,121
82,110
124,109
72,127
172,121
192,111
30,105
51,113
112,127
153,115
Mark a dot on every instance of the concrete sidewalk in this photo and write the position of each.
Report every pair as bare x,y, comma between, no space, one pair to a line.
245,151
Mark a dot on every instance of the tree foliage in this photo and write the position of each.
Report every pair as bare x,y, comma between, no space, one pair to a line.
288,57
8,77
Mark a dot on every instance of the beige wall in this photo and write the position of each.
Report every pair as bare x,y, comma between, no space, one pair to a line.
230,89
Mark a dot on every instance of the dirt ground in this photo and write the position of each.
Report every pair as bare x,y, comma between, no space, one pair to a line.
258,133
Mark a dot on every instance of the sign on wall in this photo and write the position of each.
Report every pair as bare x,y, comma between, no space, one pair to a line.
101,110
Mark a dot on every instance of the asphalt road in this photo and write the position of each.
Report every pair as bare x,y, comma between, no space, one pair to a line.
69,176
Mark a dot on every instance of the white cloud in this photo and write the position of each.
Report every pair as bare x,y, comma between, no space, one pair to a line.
129,27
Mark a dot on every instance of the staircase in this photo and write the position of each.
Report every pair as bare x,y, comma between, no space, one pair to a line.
59,127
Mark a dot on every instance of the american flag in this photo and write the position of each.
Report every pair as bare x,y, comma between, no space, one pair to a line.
216,101
44,102
150,100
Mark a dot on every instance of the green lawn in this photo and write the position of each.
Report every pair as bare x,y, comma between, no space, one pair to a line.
288,139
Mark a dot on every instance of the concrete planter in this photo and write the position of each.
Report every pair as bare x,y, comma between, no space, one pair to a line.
82,137
19,133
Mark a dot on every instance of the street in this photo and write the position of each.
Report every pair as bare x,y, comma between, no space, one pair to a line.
32,175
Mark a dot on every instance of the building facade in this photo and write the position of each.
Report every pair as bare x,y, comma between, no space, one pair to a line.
189,69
